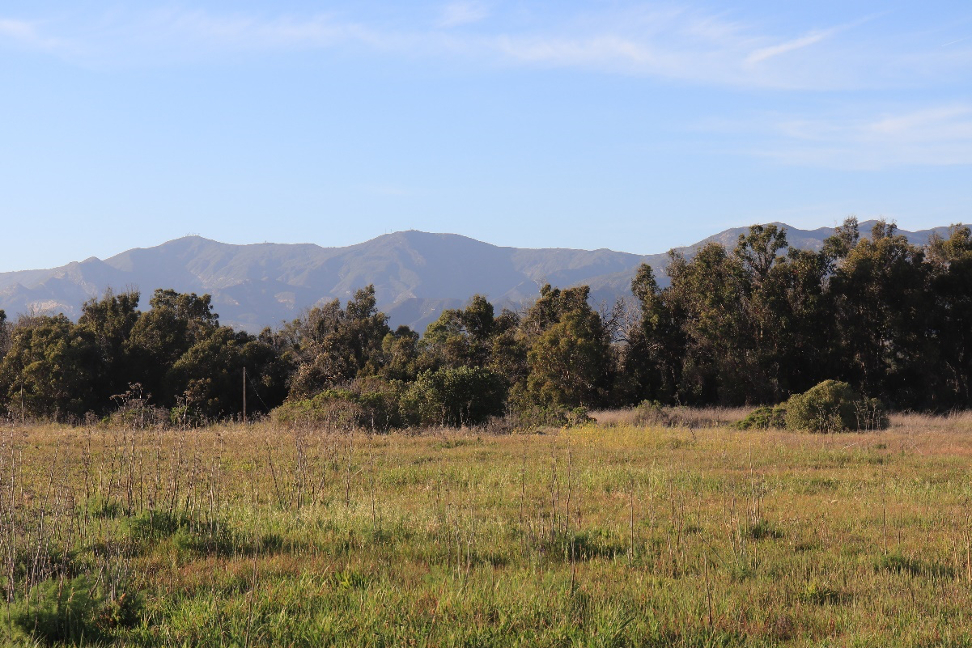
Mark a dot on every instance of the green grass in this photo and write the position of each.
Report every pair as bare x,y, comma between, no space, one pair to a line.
607,535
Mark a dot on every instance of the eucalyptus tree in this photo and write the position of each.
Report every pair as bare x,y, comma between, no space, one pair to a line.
882,309
175,322
49,369
568,350
226,370
951,290
461,337
332,346
110,320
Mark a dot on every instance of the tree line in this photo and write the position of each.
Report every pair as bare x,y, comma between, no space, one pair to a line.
746,326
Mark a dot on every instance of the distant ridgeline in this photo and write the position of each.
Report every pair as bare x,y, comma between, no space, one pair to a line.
415,274
750,316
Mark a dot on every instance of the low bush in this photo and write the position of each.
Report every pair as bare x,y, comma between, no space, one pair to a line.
532,416
446,397
135,411
461,396
833,406
764,417
651,413
371,404
73,611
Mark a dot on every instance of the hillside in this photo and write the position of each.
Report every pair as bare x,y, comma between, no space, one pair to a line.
416,274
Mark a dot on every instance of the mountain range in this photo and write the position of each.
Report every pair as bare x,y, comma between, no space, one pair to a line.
416,274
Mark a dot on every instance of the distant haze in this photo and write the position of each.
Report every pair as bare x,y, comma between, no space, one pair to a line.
416,275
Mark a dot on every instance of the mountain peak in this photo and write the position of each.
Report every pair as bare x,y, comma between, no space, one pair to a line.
416,274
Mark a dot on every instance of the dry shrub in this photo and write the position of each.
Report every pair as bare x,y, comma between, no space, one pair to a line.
833,406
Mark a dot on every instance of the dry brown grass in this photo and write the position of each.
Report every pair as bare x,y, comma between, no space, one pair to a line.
603,535
679,416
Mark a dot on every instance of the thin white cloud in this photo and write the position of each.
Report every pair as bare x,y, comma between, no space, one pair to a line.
668,41
26,33
691,46
941,122
812,38
465,12
605,50
248,32
931,136
958,40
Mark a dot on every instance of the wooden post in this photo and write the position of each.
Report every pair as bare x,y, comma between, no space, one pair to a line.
244,394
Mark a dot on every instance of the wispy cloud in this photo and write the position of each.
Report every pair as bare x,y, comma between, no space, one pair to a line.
701,47
669,41
464,12
603,50
812,38
27,34
956,41
936,135
234,32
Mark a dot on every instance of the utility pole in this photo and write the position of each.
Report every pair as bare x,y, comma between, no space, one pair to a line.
244,394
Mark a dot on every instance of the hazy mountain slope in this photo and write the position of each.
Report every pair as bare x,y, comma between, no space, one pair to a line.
416,274
813,239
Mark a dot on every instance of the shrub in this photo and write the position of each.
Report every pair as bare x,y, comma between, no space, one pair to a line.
764,417
371,403
74,611
187,417
578,416
134,411
651,413
141,416
457,396
833,406
871,414
526,415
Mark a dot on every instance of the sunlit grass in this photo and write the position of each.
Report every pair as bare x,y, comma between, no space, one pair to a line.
607,534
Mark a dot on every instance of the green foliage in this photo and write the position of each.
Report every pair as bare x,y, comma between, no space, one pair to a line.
756,325
881,310
568,350
399,354
828,406
186,416
134,410
950,379
532,416
651,413
74,611
333,346
461,337
111,321
51,368
832,406
458,396
764,417
371,404
708,294
749,325
4,334
210,375
160,338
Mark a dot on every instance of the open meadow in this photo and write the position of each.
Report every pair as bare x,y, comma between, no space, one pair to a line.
605,534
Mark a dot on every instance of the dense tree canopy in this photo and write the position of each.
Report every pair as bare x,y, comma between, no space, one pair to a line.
751,325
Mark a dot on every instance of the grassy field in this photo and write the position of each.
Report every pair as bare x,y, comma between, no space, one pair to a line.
602,535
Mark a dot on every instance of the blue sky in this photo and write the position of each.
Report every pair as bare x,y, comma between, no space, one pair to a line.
635,126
